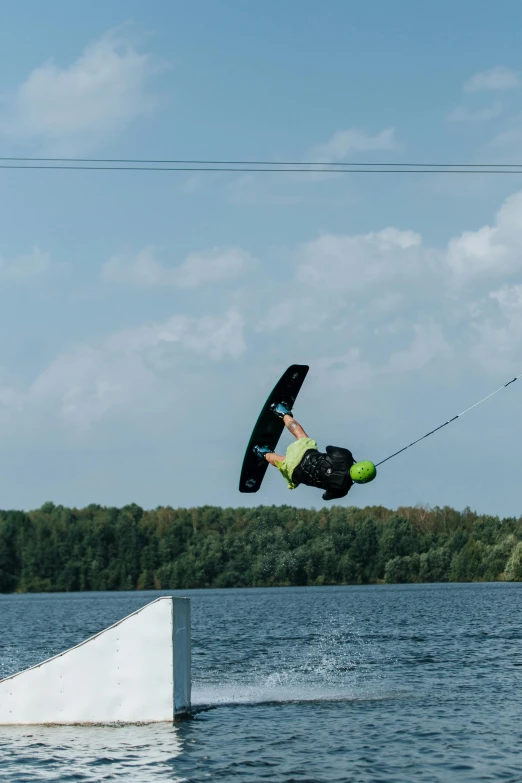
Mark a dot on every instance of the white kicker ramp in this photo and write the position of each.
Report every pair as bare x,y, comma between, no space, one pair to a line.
136,671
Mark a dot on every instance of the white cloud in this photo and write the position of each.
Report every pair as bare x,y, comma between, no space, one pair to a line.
350,262
216,264
26,268
360,295
353,370
360,308
286,189
347,371
498,78
216,338
301,314
282,314
491,251
475,116
147,364
476,253
141,270
428,344
74,108
82,386
509,298
199,268
352,140
498,330
387,305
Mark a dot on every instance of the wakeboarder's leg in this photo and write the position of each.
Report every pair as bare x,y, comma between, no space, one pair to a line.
263,452
283,412
294,427
272,458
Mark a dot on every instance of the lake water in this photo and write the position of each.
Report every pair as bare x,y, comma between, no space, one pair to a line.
391,683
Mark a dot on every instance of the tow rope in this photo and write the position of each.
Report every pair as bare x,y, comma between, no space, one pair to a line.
449,421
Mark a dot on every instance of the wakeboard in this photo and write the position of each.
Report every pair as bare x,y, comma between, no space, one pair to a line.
269,427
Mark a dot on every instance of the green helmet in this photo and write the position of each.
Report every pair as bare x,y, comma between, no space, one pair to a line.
362,472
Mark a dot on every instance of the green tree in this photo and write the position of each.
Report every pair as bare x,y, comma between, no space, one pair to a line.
513,570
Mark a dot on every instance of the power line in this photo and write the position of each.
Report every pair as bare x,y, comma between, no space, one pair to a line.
449,420
173,161
265,170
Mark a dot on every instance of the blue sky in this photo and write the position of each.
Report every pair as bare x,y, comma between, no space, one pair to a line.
146,315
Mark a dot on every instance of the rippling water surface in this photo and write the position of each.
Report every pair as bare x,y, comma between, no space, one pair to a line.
387,683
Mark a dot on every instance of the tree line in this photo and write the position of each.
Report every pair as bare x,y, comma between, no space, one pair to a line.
55,548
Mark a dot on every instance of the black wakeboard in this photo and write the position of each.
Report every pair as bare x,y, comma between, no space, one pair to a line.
269,427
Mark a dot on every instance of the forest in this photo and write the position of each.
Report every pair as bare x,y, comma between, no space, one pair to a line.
55,548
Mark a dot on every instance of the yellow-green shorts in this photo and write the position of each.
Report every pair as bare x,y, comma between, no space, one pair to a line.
294,454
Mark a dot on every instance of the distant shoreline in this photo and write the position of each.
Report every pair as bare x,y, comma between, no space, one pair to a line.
97,548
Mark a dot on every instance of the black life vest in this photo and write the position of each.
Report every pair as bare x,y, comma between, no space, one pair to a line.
330,471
